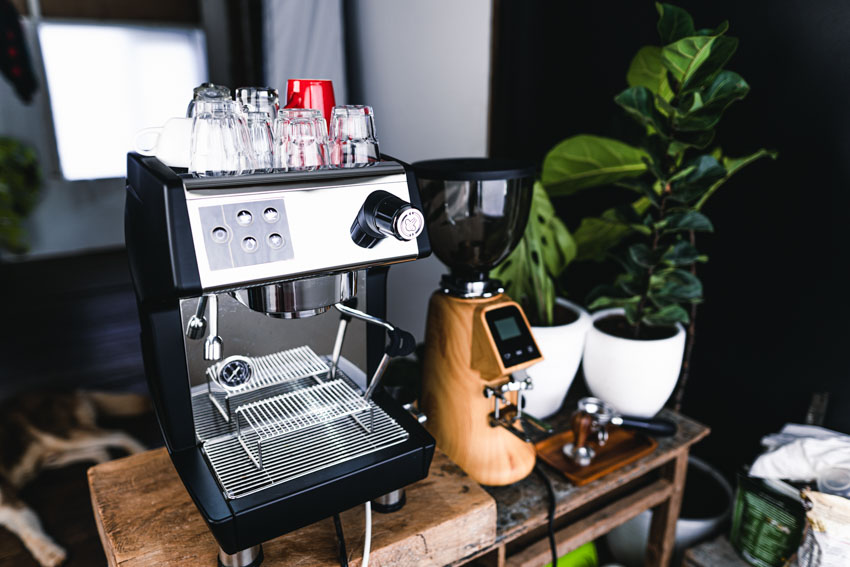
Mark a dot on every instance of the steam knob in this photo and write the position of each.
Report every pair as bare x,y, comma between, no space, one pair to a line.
383,214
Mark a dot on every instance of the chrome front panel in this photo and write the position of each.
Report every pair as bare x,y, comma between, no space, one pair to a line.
310,232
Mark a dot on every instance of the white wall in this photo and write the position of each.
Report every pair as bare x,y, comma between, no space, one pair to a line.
425,69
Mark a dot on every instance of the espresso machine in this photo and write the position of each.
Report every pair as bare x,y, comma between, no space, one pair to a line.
266,413
477,341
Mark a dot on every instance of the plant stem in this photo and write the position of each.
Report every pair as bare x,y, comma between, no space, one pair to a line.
689,344
656,237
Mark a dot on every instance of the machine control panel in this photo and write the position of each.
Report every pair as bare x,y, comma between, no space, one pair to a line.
511,335
246,234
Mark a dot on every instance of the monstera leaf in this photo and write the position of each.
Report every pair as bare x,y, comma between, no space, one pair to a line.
540,257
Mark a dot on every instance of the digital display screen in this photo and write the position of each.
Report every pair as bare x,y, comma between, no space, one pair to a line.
507,328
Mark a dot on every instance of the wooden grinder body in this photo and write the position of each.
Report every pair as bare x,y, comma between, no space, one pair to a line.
460,360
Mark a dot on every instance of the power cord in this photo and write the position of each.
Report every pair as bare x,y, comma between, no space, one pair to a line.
340,540
367,543
550,490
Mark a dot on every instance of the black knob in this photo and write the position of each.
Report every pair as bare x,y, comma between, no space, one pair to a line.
383,214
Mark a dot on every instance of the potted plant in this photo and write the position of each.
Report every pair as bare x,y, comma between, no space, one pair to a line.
678,92
20,184
530,276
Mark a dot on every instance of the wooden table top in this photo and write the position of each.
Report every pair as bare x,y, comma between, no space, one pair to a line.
523,506
145,517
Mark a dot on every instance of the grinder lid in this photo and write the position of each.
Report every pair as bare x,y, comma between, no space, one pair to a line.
473,169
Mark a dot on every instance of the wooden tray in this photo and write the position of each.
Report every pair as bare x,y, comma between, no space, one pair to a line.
623,447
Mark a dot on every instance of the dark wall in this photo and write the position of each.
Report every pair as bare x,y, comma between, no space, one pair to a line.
773,326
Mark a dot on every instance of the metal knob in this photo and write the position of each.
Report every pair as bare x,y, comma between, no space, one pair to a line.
382,215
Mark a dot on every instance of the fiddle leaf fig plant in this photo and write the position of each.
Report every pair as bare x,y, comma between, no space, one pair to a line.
20,184
678,92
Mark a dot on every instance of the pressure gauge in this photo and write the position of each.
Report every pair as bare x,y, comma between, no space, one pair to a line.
234,372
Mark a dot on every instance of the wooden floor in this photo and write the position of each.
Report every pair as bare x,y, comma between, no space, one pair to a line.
61,500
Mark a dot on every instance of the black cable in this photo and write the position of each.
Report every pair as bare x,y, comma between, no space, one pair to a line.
340,540
553,547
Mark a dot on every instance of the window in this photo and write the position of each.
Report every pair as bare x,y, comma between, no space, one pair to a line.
106,82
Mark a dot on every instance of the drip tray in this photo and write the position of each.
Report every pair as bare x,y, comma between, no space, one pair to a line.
288,455
297,454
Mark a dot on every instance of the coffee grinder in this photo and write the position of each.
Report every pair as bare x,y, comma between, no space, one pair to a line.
478,341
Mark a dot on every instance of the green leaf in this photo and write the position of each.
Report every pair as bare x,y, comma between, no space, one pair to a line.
734,165
681,254
588,161
706,108
675,286
689,220
647,70
719,30
692,60
639,102
642,255
604,302
700,139
704,172
543,253
596,236
667,316
674,23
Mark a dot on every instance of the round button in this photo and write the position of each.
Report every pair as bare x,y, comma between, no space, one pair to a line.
271,214
275,240
409,224
219,234
244,217
249,244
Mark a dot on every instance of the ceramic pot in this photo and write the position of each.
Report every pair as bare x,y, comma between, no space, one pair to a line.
635,376
561,347
627,542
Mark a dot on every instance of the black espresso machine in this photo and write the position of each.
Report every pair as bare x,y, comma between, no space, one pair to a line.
231,275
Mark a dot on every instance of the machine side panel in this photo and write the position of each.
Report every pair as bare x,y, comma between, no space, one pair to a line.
165,367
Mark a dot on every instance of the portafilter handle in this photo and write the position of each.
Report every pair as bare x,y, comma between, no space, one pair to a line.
401,343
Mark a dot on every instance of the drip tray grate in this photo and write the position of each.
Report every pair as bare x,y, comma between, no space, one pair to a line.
279,415
301,452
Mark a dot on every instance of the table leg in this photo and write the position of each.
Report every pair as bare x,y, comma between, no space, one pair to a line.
662,531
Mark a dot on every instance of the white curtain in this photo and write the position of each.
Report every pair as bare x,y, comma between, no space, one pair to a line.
304,40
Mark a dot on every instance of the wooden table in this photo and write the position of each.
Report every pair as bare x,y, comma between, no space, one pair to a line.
145,517
584,513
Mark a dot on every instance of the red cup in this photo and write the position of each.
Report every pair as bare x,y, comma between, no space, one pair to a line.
311,93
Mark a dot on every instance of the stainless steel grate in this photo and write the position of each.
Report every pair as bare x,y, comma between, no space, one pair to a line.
298,453
272,417
269,370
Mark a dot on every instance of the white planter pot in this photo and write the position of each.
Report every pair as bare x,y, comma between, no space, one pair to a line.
635,376
561,347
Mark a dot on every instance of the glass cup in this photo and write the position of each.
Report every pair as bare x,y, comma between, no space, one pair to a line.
220,140
303,147
208,92
259,99
261,141
352,139
289,140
